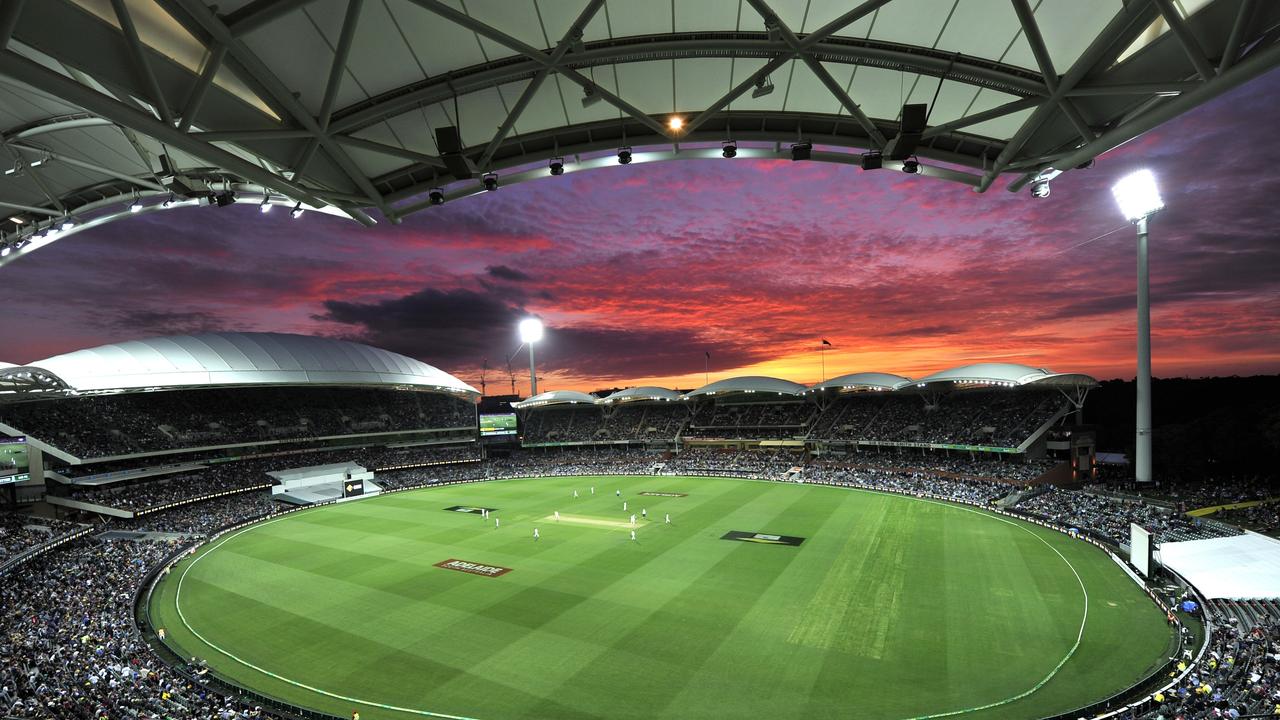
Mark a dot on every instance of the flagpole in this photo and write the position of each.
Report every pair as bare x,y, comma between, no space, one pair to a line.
706,369
822,353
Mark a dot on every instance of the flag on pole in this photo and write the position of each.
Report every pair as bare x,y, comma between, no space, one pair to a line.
708,354
827,342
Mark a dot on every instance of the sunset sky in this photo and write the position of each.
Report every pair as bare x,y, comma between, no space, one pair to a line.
640,270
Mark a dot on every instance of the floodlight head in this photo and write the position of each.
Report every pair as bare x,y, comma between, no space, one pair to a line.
801,151
135,206
557,166
624,156
1040,189
589,97
675,123
764,86
436,196
729,150
1137,195
265,207
296,212
530,330
911,166
490,182
168,202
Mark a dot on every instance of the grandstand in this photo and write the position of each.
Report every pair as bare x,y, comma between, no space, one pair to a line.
149,448
983,408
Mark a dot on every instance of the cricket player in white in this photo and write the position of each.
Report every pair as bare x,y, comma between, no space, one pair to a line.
497,523
535,533
557,516
633,534
633,518
593,489
668,520
644,513
624,506
575,494
618,493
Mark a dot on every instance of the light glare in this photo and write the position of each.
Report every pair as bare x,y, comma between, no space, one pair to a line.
1137,195
530,330
676,122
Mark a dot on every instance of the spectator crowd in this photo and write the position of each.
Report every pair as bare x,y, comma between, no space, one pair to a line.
69,648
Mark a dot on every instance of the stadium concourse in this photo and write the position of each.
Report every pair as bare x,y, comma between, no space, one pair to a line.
142,450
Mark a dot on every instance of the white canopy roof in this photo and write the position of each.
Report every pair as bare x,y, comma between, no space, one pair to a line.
339,104
555,397
645,393
873,380
1005,374
230,358
1243,567
749,384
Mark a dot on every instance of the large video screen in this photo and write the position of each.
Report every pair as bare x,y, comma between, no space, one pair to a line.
497,424
1140,549
13,459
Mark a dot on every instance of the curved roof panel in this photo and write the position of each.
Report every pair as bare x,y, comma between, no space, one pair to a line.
1005,374
646,393
360,92
230,358
749,384
555,397
872,380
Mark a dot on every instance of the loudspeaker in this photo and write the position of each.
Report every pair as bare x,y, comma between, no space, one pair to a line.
449,143
909,131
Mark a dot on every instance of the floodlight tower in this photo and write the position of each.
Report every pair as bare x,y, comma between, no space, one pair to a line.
530,333
1139,199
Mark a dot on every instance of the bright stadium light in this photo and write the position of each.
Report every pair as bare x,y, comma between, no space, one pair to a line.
676,123
1137,195
530,330
530,334
1139,199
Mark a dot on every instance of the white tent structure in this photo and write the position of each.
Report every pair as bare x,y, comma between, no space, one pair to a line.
1241,567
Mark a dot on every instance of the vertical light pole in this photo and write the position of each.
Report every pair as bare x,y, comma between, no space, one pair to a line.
530,333
1139,199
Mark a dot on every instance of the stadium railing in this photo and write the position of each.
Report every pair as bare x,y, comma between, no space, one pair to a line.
27,555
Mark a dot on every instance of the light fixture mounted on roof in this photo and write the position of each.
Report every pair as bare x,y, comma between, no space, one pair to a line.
729,149
589,97
801,151
872,160
624,155
136,205
763,87
1040,189
911,165
265,207
296,212
436,196
557,166
490,181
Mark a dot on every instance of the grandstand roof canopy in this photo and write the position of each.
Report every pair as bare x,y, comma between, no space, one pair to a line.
863,380
647,393
555,397
749,384
236,359
338,104
1005,374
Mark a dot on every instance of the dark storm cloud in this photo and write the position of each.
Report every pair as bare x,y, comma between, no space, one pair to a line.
461,327
504,272
141,323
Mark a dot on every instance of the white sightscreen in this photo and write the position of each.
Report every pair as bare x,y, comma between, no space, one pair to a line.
1140,549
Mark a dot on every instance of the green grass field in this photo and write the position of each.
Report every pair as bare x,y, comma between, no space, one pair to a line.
892,607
